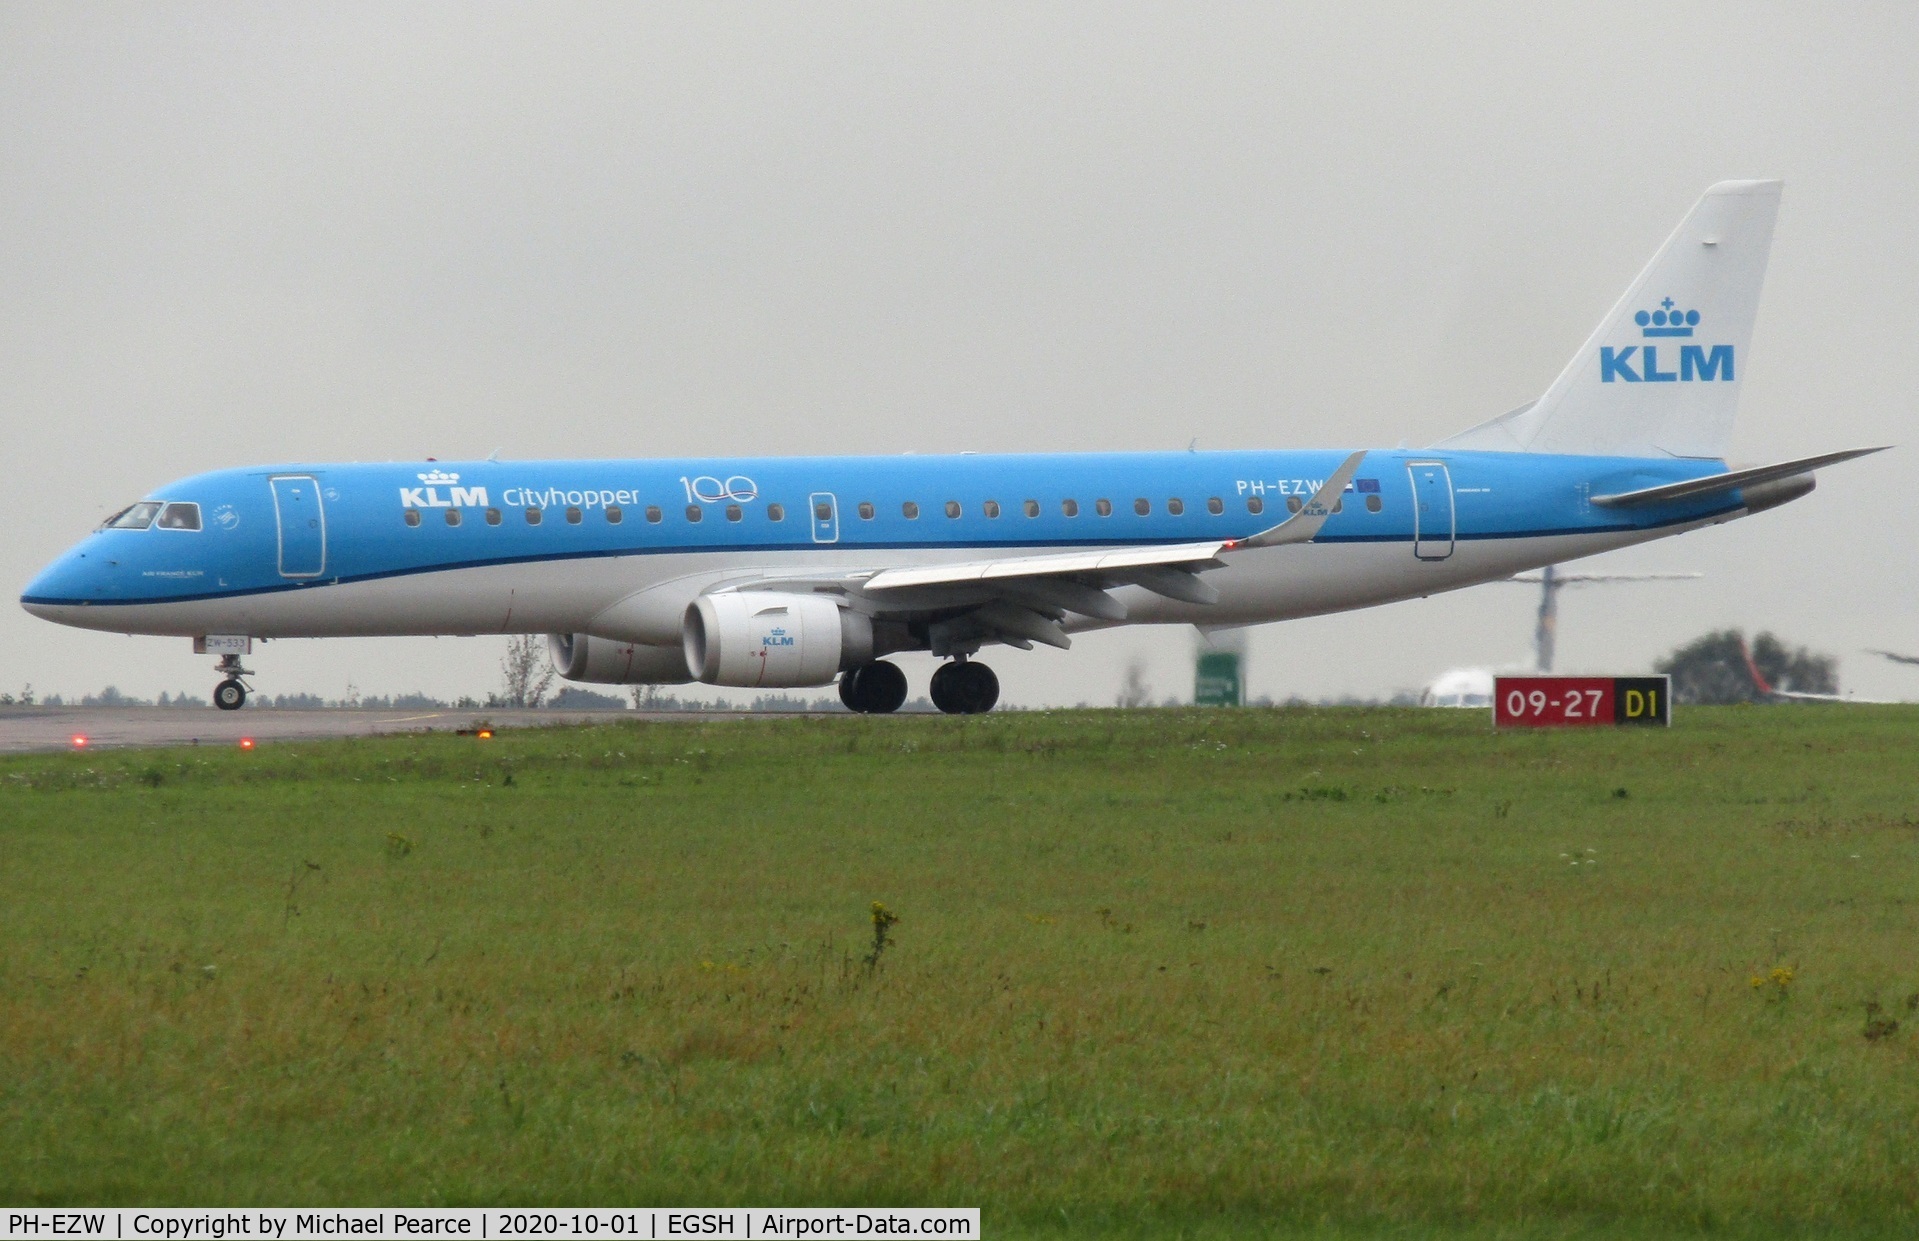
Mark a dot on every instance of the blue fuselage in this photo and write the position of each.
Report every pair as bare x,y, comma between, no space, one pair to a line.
305,529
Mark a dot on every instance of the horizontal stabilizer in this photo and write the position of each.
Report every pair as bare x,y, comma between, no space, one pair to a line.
1732,480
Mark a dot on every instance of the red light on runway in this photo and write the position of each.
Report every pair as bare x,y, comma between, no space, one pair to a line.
246,743
79,741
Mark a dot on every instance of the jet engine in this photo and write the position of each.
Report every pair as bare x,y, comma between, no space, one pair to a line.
582,657
760,638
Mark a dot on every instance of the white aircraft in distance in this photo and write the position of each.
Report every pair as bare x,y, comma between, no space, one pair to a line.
776,572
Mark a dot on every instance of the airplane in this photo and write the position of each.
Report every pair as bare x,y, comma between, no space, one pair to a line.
1769,693
776,572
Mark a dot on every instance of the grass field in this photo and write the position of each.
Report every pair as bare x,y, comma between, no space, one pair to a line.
1346,972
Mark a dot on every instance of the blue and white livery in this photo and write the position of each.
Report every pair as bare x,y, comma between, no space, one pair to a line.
794,571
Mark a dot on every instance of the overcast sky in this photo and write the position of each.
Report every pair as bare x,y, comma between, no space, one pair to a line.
246,234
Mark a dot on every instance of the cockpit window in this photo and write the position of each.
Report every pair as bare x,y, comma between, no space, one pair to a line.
138,517
179,515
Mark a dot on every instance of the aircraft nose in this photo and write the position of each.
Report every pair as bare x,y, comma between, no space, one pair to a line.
73,581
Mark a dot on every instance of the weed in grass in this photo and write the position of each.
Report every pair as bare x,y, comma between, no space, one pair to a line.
883,922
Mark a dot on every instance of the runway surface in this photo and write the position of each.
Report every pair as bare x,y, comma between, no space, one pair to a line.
25,729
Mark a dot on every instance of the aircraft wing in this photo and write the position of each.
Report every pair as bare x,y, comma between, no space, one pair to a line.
1732,480
1024,599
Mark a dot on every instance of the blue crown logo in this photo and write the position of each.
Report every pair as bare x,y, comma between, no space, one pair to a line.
1666,321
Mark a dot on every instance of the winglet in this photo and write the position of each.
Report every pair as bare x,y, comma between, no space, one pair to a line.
1303,526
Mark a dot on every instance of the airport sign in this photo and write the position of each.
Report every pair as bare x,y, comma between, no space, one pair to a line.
1581,702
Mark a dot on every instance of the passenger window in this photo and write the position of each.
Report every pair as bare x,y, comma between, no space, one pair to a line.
952,508
1176,506
1373,504
533,516
910,510
866,510
990,508
1143,507
453,517
413,517
573,517
493,517
1103,507
139,517
1215,506
1069,507
1031,508
1294,504
776,512
822,512
1339,505
1255,505
693,512
614,515
179,516
653,513
733,512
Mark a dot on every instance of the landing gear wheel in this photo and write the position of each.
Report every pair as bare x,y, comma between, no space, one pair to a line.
873,689
982,688
965,688
229,695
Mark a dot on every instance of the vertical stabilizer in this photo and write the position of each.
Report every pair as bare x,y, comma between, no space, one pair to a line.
1661,376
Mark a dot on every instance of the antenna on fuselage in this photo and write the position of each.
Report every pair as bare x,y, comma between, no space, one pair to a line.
494,456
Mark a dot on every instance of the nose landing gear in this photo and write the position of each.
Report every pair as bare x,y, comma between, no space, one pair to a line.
964,687
230,694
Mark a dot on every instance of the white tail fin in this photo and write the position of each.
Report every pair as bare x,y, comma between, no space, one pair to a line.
1660,378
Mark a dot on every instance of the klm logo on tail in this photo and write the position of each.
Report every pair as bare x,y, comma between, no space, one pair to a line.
1696,363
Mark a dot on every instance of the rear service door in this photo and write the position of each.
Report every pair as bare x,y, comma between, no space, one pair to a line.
825,508
1432,509
298,509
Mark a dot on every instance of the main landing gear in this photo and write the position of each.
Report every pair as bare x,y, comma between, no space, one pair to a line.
230,694
873,689
963,687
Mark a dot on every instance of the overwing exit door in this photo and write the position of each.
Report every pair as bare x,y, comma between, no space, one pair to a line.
826,516
301,515
1433,520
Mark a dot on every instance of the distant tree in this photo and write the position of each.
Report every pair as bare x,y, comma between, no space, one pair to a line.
573,698
1134,691
112,697
1712,669
528,673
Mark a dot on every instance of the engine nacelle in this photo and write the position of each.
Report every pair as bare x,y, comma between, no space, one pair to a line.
582,657
762,639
